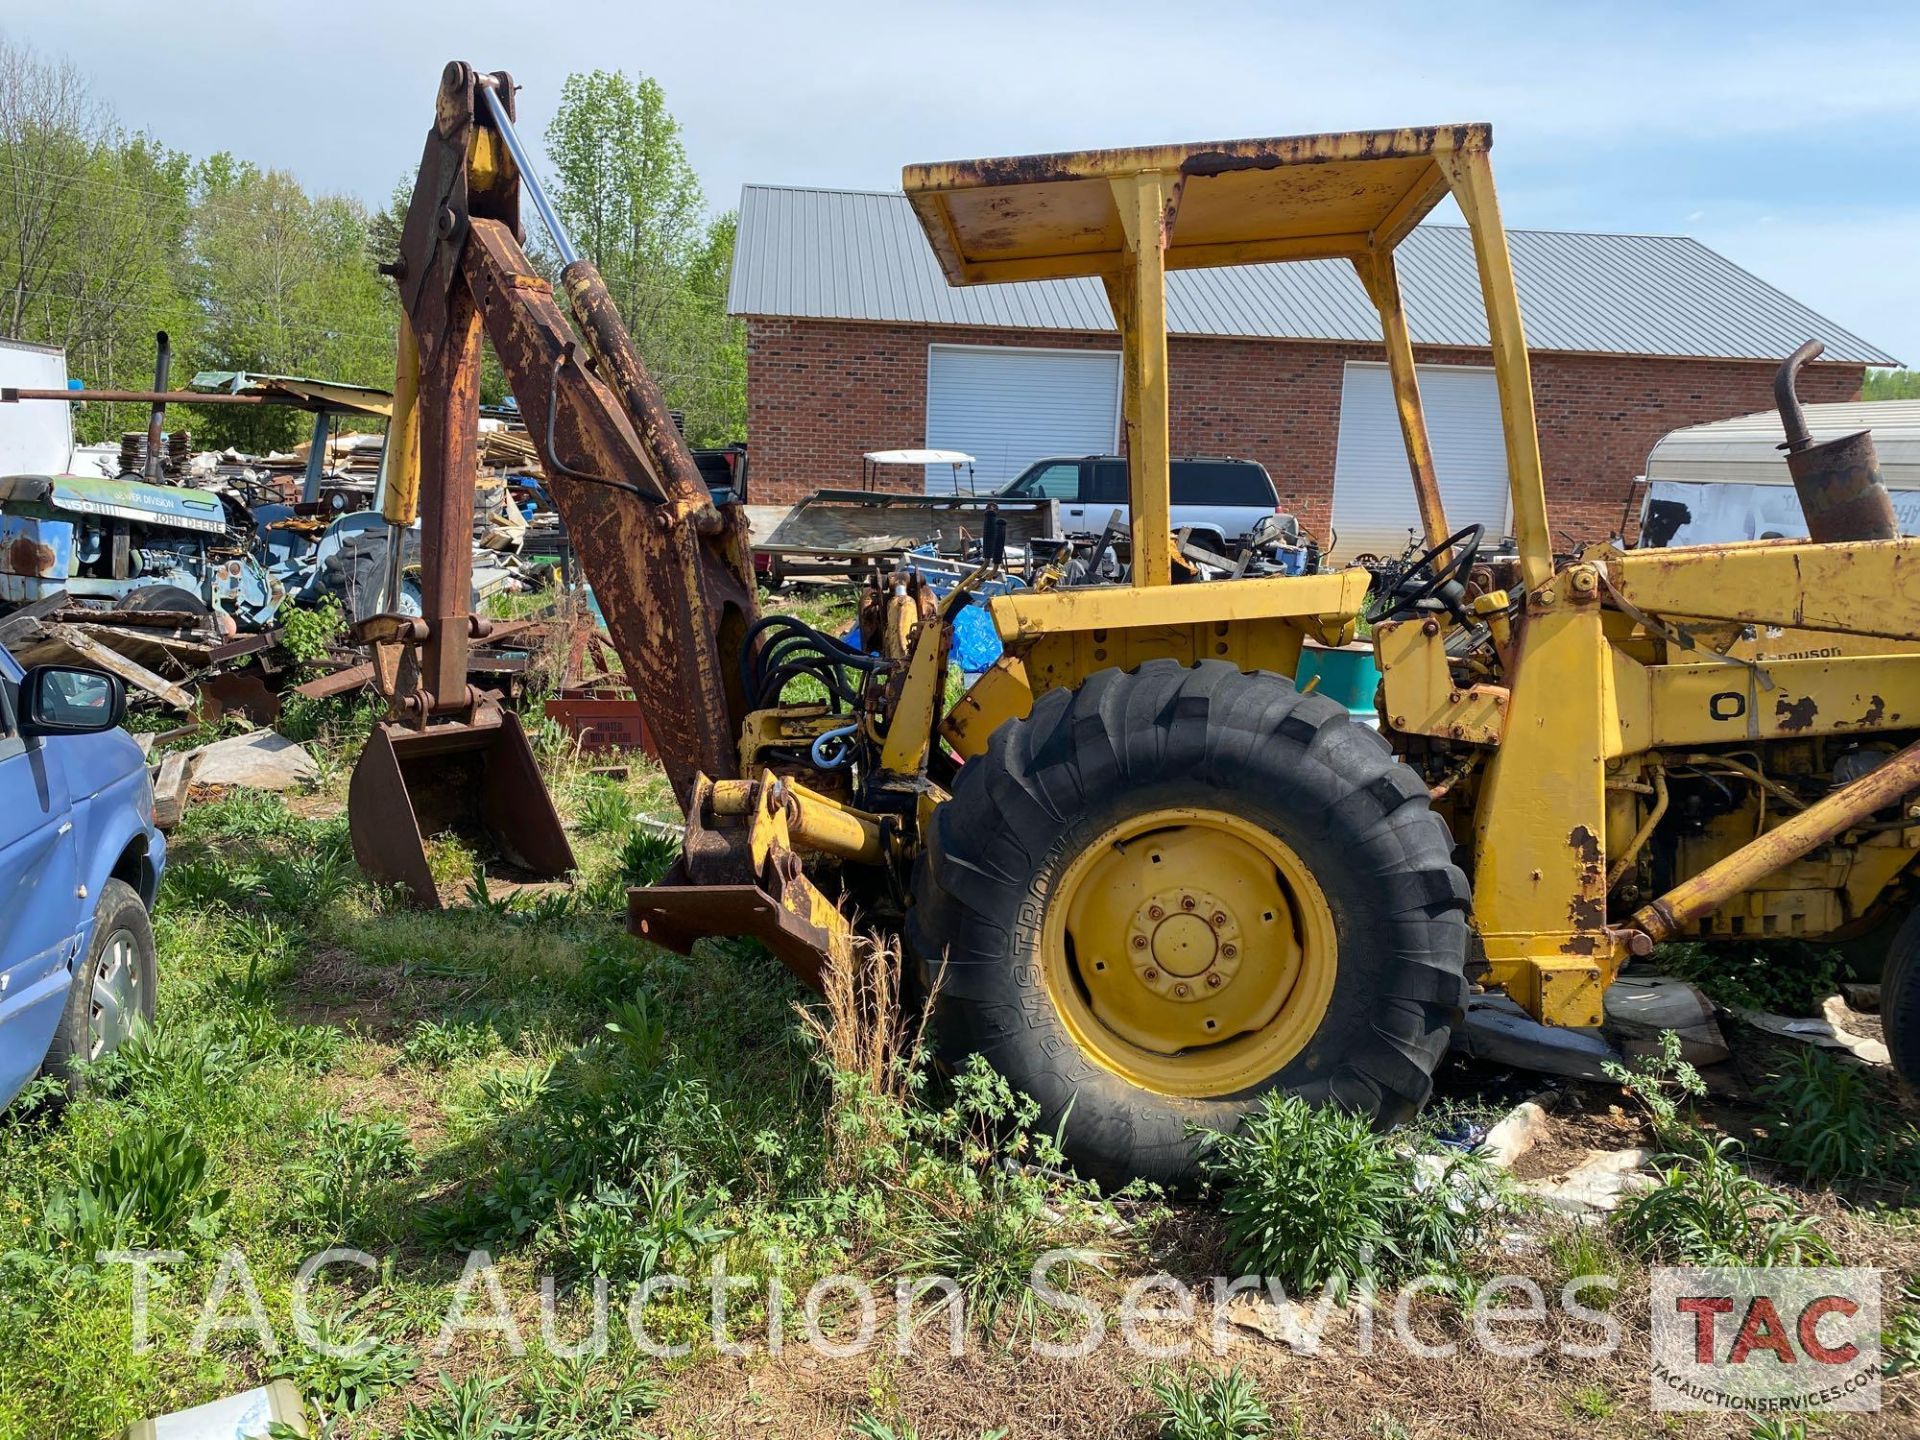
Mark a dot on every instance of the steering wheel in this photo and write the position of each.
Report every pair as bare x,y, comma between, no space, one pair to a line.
1441,582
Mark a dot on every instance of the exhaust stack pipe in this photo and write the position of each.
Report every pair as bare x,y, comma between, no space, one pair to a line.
162,367
1841,492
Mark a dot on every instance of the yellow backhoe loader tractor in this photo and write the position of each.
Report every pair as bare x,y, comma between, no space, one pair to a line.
1151,879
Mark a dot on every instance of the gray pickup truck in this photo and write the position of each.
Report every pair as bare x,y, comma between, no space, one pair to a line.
1219,500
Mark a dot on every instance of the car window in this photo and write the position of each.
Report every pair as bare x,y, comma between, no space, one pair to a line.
1059,481
1107,482
1222,482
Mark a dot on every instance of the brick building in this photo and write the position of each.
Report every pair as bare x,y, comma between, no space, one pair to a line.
856,343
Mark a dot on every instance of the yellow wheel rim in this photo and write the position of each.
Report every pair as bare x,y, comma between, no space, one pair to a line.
1190,952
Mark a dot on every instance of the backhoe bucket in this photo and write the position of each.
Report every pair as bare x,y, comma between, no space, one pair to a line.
477,780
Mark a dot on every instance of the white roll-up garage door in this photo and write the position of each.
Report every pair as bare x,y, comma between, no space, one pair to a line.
1373,504
1008,406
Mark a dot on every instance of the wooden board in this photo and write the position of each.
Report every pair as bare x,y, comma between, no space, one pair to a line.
69,642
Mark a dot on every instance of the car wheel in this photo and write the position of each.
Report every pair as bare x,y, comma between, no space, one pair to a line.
112,987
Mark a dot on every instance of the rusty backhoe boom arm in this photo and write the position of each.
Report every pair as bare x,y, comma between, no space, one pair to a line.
671,573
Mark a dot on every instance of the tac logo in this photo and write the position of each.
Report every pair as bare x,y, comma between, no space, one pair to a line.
1772,1340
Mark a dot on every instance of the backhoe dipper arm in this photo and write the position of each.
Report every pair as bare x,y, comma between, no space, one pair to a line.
671,572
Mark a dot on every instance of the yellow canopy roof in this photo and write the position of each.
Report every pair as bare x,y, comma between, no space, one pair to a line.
1236,202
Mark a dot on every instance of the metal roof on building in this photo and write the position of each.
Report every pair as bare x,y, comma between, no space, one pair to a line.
861,255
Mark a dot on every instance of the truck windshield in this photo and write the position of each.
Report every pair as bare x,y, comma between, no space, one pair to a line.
1058,480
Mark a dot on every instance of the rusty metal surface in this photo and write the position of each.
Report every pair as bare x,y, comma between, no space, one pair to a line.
237,692
673,578
677,602
387,844
620,364
449,424
157,415
477,780
1673,913
676,915
1841,491
11,394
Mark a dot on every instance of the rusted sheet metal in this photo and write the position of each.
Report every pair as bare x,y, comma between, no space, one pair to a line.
1213,157
1838,481
36,556
677,602
1675,912
1031,217
1865,588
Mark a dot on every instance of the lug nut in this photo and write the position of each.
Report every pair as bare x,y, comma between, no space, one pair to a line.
1139,942
1186,902
1213,982
1181,991
1150,976
1154,912
1219,919
1227,952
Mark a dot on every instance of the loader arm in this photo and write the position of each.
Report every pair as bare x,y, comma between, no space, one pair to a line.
672,573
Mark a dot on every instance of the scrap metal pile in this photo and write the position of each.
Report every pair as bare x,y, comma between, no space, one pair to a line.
184,570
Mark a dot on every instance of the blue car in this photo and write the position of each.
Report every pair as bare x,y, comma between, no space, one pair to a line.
80,864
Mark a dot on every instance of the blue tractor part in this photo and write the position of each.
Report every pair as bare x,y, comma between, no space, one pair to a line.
100,539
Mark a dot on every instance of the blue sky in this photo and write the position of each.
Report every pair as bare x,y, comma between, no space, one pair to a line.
1785,136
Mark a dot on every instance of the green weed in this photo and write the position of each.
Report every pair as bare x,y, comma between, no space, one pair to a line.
1707,1210
1315,1196
629,1235
985,1216
342,1162
1826,1119
436,1044
149,1188
307,632
646,856
1661,1083
1787,978
1591,1402
605,810
343,1384
1211,1405
465,1409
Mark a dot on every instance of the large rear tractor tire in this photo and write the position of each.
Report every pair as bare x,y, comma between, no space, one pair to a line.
1164,894
1900,999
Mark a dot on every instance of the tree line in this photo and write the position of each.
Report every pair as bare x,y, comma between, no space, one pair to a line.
108,235
1891,385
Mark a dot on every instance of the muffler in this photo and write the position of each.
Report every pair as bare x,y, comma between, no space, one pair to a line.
1841,492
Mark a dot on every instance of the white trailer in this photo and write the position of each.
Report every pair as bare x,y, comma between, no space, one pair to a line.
1728,480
